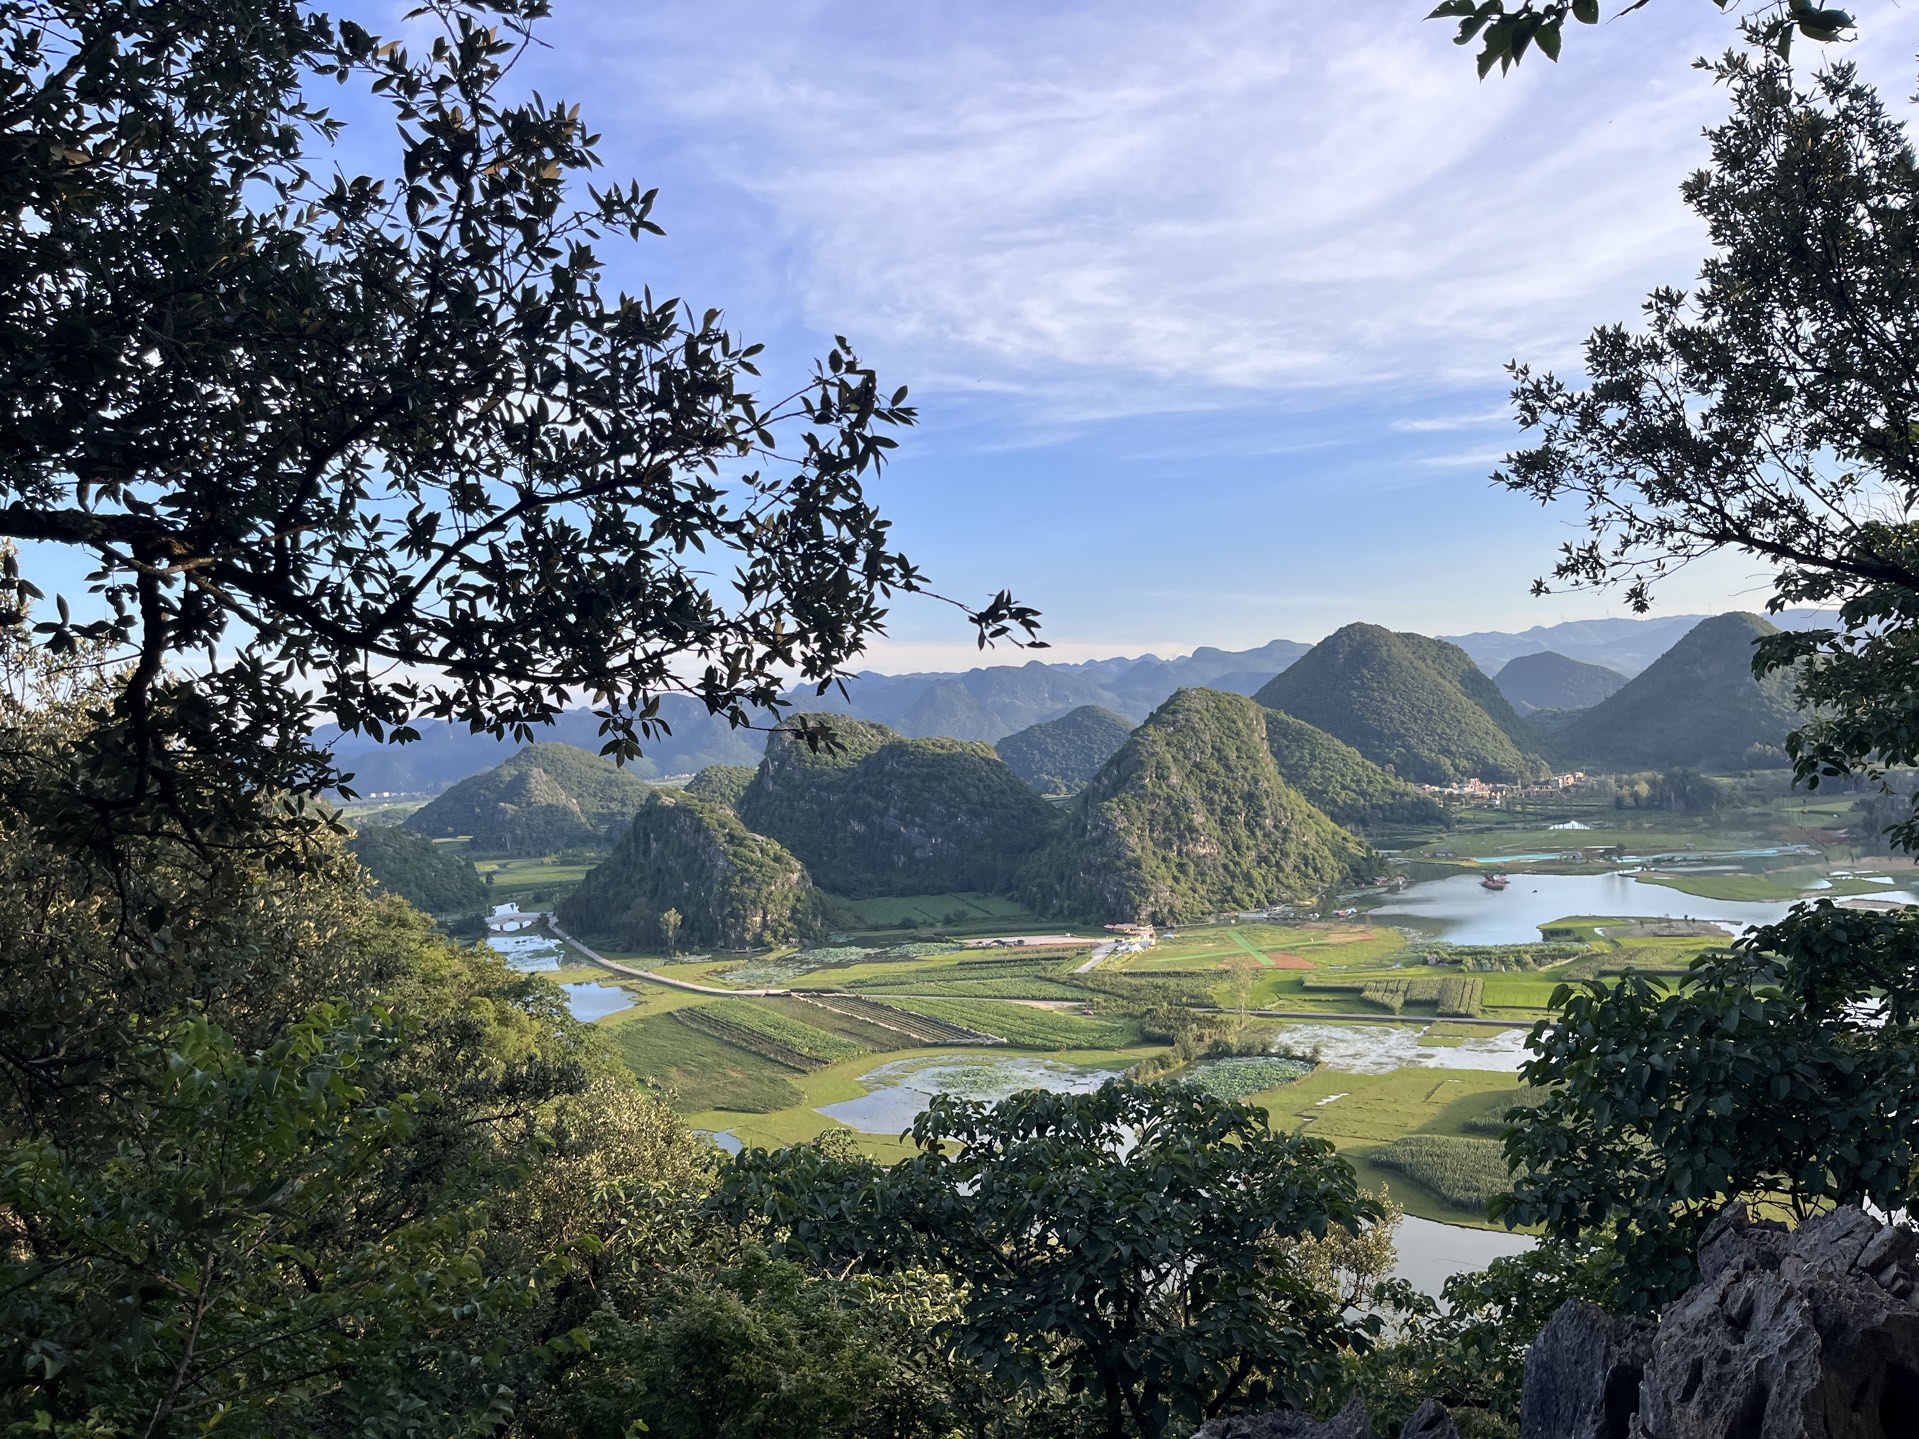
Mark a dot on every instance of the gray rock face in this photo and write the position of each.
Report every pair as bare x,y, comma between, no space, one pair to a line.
1349,1423
1430,1421
1583,1374
1807,1335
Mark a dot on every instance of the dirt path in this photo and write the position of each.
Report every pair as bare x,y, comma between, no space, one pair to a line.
632,973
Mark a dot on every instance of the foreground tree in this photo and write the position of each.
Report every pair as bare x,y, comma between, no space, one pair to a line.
1141,1240
1773,411
385,446
1505,34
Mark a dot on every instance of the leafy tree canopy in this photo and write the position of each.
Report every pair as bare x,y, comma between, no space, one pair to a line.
1504,35
1773,410
384,446
1136,1237
1782,1072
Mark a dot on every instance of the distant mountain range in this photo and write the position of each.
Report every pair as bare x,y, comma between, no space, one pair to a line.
987,704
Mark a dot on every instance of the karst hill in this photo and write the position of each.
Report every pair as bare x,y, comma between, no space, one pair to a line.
1416,706
1697,706
1550,681
731,888
1060,755
1191,817
878,813
547,798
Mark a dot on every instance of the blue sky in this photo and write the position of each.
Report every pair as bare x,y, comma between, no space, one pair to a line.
1205,310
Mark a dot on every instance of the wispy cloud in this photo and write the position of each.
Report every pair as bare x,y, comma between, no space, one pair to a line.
1116,210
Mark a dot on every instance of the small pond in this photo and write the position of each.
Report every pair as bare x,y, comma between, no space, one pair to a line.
898,1093
590,1001
1430,1253
725,1138
529,952
1383,1048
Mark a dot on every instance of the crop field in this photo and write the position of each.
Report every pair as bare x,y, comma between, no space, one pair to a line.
533,883
1464,1172
1214,947
704,1072
787,1041
1027,1027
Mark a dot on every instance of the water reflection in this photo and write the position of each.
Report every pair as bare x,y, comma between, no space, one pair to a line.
1430,1253
590,1001
899,1092
1383,1048
1460,910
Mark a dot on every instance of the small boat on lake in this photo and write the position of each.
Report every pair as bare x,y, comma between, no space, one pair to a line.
1494,881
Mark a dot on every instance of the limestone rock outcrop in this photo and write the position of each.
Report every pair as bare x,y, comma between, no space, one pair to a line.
1811,1333
1431,1421
1583,1374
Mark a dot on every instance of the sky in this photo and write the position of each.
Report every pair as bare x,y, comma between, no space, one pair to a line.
1205,308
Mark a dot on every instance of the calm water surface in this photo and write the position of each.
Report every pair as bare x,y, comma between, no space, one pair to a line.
590,1001
898,1093
1459,910
1430,1254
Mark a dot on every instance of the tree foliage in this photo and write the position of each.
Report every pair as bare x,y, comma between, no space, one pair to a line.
1504,35
1135,1239
384,446
1782,1072
1772,410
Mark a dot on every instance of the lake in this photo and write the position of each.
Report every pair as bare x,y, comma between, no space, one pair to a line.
898,1093
1457,909
529,952
1431,1253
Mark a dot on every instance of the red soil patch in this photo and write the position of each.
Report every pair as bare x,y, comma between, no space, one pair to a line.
1348,936
1287,961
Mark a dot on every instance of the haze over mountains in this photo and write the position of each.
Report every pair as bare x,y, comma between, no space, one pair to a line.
992,702
1216,802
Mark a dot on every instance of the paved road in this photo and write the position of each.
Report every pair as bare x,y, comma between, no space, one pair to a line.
628,970
1100,951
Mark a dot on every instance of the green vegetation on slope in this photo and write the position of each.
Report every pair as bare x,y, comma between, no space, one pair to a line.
732,888
548,797
1697,706
1192,817
1060,755
1414,705
882,814
1342,782
421,872
721,784
1550,681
